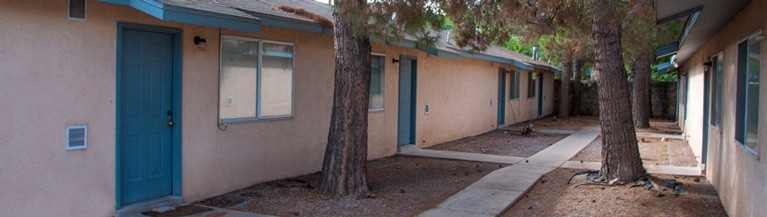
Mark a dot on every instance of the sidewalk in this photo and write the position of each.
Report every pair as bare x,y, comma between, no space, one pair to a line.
497,191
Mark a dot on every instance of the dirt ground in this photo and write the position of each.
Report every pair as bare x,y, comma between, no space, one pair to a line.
573,123
400,186
552,196
502,142
661,126
672,152
407,186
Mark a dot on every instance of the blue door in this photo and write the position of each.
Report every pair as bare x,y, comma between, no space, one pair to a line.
501,97
407,87
145,120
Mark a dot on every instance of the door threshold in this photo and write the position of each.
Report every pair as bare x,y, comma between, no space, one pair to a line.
135,209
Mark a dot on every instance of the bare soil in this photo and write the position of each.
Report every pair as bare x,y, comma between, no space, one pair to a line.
407,186
672,152
400,186
552,196
661,126
553,123
502,142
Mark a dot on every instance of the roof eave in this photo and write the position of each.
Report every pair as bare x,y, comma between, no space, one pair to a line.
191,16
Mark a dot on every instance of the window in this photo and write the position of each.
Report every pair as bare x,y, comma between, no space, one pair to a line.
514,92
747,101
377,84
256,80
531,84
716,83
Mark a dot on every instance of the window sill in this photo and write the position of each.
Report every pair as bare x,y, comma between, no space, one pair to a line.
515,99
250,120
375,110
717,129
748,150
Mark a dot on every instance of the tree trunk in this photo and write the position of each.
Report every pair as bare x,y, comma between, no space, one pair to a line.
564,96
620,153
576,107
344,167
641,105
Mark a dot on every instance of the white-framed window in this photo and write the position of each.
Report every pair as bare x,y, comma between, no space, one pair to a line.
256,80
747,101
377,82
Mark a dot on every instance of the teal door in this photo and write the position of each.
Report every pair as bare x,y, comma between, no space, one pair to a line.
501,97
407,87
145,119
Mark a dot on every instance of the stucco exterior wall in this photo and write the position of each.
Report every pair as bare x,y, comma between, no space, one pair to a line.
56,72
526,108
739,177
60,72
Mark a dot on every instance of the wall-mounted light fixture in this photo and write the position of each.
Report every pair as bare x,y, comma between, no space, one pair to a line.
393,61
707,64
200,42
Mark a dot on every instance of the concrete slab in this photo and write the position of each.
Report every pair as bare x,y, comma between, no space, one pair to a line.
654,169
558,153
220,212
567,132
442,212
508,181
411,150
481,200
522,168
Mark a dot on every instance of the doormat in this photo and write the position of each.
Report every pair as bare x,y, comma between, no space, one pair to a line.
179,211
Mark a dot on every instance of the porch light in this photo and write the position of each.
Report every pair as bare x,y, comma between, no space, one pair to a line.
200,42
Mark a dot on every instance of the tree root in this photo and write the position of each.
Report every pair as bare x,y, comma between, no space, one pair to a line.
647,181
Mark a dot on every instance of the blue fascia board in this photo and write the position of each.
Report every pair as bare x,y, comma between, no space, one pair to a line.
191,16
449,55
427,49
666,67
555,70
666,50
498,59
439,52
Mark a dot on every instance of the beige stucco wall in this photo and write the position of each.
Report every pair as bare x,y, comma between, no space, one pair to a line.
739,177
526,108
56,72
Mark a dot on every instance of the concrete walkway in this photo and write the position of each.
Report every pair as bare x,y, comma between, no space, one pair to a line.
497,191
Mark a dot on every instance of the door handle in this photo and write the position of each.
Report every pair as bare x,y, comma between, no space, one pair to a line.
169,123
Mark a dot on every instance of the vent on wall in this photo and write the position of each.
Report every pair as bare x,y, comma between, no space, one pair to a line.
77,137
76,9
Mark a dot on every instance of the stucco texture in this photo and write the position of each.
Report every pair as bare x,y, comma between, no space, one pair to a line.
56,72
739,177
